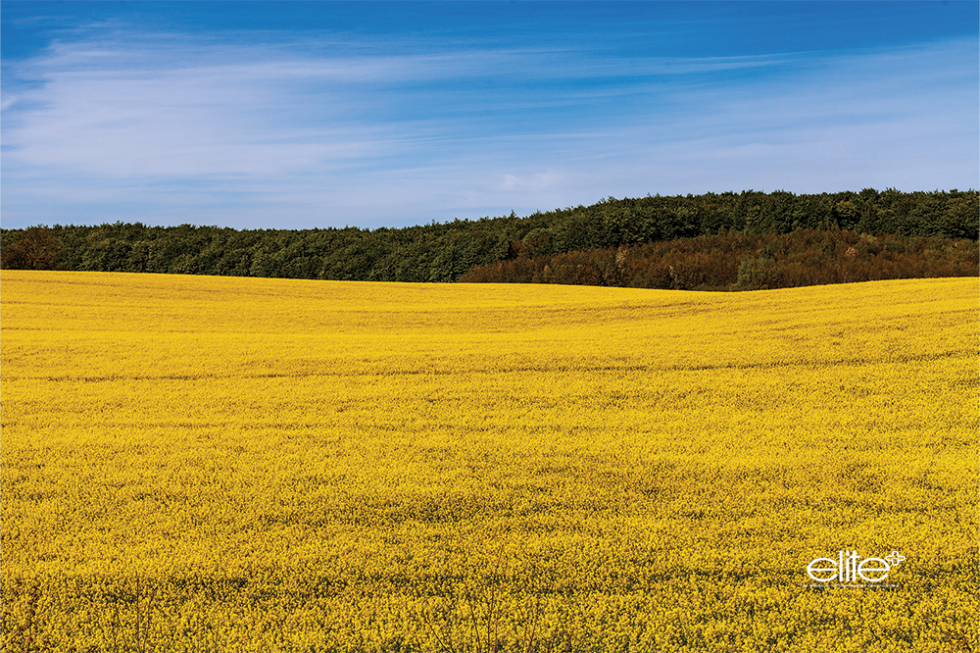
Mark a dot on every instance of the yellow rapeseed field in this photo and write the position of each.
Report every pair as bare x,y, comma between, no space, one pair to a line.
223,464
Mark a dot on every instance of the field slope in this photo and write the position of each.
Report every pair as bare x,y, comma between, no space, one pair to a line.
229,464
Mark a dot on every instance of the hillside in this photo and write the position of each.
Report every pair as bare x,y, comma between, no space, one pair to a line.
230,464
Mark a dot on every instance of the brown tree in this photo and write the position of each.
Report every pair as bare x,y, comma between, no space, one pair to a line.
37,248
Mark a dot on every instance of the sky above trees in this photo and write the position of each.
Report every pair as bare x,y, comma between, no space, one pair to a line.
319,114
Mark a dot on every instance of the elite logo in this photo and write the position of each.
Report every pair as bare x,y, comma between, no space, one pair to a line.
850,568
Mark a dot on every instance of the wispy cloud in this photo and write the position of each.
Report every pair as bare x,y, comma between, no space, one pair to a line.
318,132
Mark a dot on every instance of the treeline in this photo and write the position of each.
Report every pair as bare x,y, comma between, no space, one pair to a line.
735,261
444,252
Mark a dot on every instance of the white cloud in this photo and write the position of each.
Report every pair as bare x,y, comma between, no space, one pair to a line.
311,134
538,181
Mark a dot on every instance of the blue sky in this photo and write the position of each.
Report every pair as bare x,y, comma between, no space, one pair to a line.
319,114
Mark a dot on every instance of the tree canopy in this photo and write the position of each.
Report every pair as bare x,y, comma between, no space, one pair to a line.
444,252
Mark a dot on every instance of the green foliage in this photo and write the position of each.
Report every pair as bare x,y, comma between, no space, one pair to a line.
755,273
444,252
35,248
